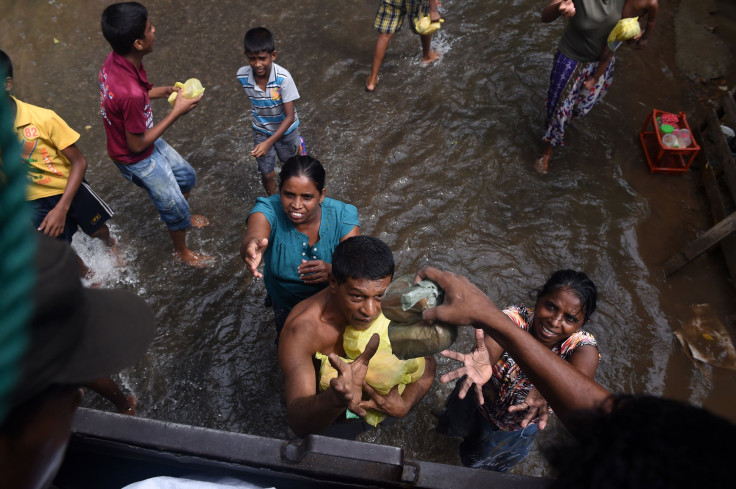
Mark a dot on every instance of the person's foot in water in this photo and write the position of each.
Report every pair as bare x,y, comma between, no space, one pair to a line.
370,83
199,221
542,164
430,58
193,259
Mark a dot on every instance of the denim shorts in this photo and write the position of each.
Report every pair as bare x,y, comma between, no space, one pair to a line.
285,147
166,176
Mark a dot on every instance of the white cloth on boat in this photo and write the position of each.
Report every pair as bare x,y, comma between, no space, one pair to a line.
198,481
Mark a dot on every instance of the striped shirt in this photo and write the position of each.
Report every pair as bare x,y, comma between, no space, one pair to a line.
268,107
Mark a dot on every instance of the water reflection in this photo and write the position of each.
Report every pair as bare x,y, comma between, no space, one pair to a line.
437,161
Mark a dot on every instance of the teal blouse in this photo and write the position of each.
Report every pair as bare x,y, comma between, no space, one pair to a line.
287,247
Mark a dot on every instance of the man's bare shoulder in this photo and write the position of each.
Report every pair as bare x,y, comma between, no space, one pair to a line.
306,316
305,330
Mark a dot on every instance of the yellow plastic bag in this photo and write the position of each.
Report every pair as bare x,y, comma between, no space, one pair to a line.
424,25
191,88
354,341
624,30
385,370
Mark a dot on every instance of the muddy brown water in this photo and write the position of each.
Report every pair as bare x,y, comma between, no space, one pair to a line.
438,162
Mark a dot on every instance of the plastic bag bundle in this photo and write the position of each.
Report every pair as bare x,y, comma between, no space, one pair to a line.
191,88
424,25
403,303
624,30
385,370
354,340
411,340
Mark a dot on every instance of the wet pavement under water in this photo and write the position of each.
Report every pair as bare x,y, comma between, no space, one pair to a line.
439,163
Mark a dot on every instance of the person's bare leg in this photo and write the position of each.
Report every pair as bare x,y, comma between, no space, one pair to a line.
179,238
269,182
107,388
198,220
84,271
378,53
542,164
103,234
428,56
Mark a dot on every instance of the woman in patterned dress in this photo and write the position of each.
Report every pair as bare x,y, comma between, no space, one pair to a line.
499,424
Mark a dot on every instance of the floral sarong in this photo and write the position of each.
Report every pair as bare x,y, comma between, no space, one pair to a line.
567,98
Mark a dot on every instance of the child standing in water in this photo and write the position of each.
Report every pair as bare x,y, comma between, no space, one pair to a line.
272,92
134,143
61,198
389,19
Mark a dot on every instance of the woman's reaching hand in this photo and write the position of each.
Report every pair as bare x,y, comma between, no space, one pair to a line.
254,254
476,367
535,405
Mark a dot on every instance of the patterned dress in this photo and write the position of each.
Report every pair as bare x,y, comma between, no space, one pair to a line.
509,385
567,98
576,60
493,438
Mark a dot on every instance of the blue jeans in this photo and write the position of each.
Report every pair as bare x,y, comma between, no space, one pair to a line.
285,147
493,449
166,176
484,446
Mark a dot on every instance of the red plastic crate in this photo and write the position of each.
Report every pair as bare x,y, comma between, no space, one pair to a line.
660,158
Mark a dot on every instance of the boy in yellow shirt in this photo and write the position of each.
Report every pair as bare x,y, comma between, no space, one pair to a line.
62,200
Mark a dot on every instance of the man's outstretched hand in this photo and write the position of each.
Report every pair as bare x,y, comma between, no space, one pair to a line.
348,385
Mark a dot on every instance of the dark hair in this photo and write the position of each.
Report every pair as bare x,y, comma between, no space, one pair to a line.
6,66
362,257
578,283
258,39
643,442
304,165
123,24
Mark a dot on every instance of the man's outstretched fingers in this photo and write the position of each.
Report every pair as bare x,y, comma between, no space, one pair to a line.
370,349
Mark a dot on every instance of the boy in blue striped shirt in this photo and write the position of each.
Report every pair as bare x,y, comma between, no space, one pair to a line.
272,92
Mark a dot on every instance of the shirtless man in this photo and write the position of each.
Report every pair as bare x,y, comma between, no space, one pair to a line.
362,268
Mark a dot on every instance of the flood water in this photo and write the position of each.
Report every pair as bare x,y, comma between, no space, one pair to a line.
439,163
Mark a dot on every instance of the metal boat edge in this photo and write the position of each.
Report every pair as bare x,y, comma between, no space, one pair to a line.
109,450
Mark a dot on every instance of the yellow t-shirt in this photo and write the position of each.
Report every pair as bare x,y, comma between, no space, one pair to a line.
43,135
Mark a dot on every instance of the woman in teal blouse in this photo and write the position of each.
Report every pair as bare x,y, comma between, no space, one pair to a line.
294,234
